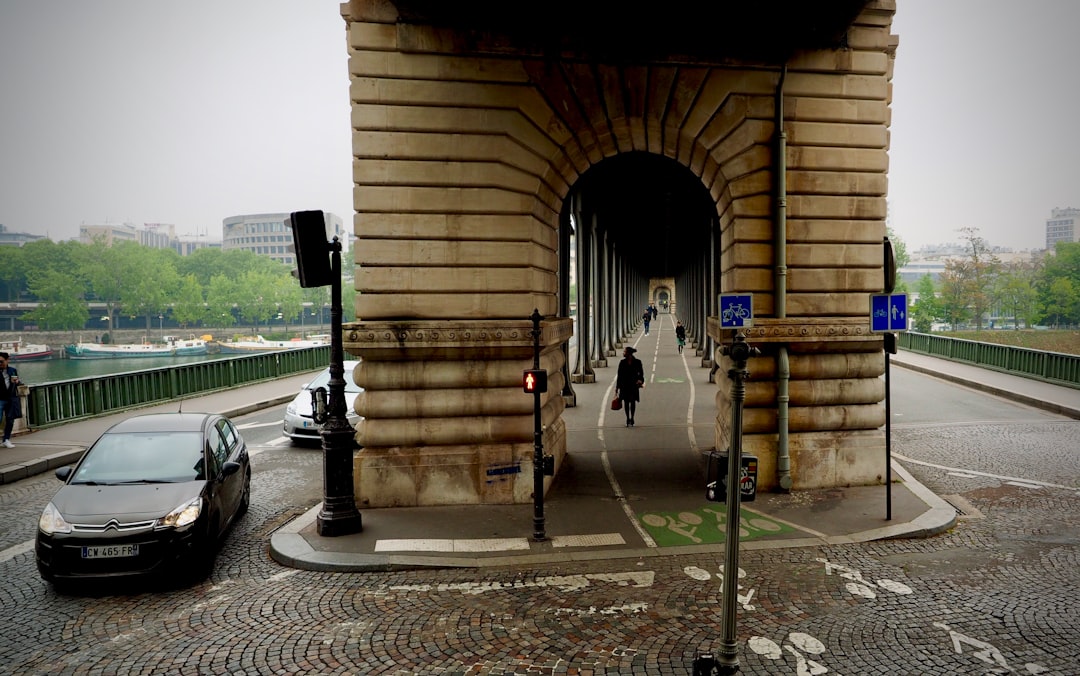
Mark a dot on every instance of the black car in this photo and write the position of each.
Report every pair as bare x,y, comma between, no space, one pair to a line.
154,494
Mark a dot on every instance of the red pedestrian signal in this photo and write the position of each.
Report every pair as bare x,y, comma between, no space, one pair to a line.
534,381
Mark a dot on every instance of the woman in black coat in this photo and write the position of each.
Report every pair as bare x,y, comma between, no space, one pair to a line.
630,379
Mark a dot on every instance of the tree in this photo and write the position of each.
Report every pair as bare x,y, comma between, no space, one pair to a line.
927,309
150,282
980,274
902,258
255,297
1017,295
189,308
61,297
1062,302
220,300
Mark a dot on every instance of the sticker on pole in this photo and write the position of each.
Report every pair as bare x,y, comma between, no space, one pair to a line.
736,310
888,312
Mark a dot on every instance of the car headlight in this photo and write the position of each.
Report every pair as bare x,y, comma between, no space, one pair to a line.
291,408
183,515
52,522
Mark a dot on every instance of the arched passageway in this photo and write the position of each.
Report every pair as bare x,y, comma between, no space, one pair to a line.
638,218
480,141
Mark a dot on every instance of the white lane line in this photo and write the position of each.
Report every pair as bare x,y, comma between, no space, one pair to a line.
1031,483
690,407
253,425
493,544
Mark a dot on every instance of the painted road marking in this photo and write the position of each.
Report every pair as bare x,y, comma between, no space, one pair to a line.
860,586
566,583
1030,482
706,525
493,544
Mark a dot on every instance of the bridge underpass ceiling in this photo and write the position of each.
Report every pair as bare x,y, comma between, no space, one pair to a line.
654,210
767,30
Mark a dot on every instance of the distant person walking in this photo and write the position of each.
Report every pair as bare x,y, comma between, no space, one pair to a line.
647,317
680,335
10,406
628,382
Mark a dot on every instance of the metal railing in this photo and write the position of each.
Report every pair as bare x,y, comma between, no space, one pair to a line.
1052,367
66,400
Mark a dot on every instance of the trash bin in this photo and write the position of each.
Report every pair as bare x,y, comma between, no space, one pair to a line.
716,477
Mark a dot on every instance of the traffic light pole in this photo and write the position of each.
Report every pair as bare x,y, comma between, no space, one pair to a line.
539,534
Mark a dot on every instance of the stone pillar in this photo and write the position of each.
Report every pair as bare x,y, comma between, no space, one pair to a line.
445,420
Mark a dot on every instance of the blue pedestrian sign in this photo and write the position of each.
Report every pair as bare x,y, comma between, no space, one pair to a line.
888,312
736,310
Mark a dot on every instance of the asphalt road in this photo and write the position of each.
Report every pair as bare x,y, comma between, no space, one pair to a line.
997,594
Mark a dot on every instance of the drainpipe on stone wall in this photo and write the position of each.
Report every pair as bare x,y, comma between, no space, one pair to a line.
783,452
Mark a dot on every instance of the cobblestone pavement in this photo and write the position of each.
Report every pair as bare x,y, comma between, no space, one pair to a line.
997,594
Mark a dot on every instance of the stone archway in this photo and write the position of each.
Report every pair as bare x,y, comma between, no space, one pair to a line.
466,147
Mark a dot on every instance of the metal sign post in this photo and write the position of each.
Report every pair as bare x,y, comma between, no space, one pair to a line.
739,352
888,313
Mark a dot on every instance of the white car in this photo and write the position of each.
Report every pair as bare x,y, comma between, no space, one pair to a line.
299,424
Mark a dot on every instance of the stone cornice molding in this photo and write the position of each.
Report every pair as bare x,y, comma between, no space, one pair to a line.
799,330
510,339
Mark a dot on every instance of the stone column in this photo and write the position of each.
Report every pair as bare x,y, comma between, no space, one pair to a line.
445,420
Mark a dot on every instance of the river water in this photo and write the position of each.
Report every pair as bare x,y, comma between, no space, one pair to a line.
52,370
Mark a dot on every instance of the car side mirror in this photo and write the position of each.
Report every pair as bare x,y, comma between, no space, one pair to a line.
62,473
318,405
230,468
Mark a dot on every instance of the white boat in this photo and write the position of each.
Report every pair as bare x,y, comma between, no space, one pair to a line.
260,344
20,351
117,351
186,347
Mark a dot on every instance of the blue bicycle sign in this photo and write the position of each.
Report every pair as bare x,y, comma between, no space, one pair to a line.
736,310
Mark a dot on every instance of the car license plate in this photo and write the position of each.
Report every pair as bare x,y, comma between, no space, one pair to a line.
110,551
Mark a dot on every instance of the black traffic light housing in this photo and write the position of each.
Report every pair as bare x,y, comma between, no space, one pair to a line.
534,381
312,248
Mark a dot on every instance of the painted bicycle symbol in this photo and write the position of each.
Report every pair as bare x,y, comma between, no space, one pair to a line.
797,644
735,311
860,586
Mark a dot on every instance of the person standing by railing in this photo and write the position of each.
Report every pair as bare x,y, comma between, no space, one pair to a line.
10,406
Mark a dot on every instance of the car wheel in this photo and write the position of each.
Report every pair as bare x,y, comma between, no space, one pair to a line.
245,496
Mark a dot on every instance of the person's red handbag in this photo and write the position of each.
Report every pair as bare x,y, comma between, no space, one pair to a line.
616,404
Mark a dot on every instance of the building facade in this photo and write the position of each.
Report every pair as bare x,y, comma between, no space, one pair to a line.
269,235
1062,226
8,238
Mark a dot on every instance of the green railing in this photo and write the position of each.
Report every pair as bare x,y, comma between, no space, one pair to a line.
1052,367
66,400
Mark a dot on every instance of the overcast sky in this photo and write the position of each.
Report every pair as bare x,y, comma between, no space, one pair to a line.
150,112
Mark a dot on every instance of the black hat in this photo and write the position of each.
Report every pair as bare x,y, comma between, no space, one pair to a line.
631,350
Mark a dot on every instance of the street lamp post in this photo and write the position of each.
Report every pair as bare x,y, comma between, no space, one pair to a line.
339,515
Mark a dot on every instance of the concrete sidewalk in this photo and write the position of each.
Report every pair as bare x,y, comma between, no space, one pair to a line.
642,488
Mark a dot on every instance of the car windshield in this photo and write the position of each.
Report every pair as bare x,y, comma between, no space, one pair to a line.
143,457
323,380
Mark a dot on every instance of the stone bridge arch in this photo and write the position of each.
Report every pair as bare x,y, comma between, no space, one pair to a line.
467,146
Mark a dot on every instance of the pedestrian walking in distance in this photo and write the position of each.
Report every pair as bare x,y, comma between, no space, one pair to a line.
647,317
628,382
680,335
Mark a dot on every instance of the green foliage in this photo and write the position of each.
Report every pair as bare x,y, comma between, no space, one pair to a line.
210,287
60,295
928,308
